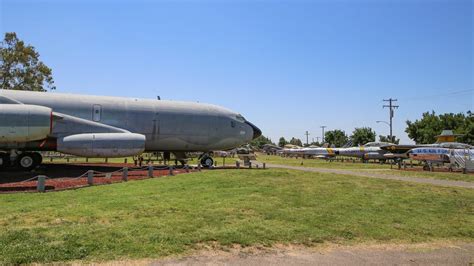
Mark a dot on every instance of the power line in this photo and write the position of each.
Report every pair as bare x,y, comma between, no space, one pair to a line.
322,139
452,93
391,110
307,137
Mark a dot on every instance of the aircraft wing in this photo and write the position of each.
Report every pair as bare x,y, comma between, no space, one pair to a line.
399,149
64,133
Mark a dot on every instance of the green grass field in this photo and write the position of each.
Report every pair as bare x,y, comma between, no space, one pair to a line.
372,167
174,215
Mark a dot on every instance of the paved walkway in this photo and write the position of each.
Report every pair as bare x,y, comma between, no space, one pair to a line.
462,254
436,182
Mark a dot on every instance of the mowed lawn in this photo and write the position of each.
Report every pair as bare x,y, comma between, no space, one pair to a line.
359,166
174,215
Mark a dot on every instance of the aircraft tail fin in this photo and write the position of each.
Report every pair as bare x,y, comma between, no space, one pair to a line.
348,144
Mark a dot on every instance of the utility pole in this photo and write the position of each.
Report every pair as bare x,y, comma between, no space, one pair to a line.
391,109
323,127
307,137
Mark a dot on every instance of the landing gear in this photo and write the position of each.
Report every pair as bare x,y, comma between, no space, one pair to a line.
28,161
4,160
207,161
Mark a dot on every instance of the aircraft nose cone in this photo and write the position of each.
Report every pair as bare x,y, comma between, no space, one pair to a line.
256,131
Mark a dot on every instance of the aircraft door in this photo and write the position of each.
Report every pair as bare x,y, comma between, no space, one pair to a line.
96,112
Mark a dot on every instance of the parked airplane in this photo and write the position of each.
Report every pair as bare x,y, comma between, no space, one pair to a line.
99,126
445,140
456,155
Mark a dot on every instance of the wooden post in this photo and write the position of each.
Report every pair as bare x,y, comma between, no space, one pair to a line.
125,174
106,160
264,165
41,185
250,165
125,161
237,164
90,177
150,171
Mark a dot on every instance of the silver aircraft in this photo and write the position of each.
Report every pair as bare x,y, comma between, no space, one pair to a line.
99,126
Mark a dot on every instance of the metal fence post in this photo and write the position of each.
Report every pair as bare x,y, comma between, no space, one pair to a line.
237,164
90,177
150,171
125,174
125,161
41,185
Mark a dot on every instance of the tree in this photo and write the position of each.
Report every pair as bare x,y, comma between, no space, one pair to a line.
387,139
336,137
297,142
425,130
282,142
260,141
315,143
361,136
20,67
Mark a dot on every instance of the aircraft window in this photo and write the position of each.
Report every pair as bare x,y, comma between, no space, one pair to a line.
240,118
232,123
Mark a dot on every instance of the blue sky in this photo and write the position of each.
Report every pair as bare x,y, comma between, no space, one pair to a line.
287,66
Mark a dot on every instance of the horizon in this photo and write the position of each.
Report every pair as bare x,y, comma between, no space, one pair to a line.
288,67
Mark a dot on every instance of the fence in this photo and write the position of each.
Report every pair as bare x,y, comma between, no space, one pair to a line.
91,175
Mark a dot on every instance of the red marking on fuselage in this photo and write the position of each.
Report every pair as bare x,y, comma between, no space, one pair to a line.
42,143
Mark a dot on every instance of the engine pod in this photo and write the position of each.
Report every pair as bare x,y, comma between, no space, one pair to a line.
23,123
103,145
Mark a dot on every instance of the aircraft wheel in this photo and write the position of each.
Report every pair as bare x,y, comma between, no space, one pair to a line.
4,160
26,161
207,162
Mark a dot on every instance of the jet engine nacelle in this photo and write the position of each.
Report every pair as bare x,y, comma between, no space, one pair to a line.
105,145
23,123
373,155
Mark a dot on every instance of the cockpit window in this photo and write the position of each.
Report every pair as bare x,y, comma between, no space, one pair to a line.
240,118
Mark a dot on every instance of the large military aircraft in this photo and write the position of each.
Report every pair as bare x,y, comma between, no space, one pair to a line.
99,126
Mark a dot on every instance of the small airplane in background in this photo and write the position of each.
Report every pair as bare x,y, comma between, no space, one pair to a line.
445,150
